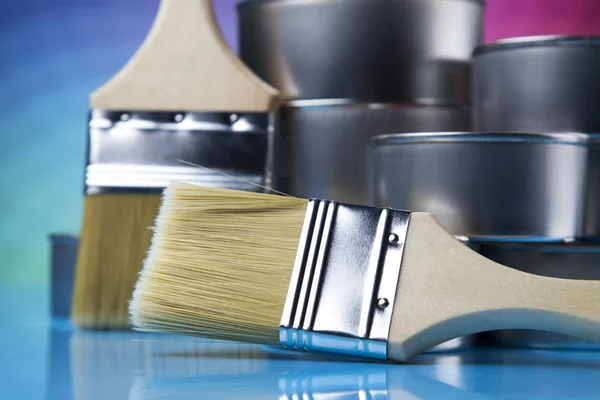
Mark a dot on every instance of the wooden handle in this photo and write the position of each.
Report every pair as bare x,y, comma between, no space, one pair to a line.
185,65
446,290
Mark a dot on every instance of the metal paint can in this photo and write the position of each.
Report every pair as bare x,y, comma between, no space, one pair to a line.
407,51
63,258
537,84
324,145
592,217
487,186
576,260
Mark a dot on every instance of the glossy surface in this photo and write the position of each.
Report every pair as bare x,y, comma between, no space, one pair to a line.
44,359
146,151
520,85
332,304
512,186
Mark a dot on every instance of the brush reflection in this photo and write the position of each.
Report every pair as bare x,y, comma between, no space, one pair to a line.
306,380
354,382
121,365
105,364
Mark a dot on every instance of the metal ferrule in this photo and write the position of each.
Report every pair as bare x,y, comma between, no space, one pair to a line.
145,151
344,280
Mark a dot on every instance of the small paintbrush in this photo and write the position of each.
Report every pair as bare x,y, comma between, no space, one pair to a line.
327,276
184,95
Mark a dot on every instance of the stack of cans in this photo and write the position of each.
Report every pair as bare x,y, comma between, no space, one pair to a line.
523,191
349,70
547,84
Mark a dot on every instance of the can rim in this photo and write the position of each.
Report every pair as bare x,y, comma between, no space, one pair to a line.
252,3
61,238
537,41
571,138
564,247
358,103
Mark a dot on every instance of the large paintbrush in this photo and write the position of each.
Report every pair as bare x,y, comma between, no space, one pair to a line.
327,276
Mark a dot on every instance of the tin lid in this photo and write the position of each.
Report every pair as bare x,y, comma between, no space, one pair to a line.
594,138
567,246
501,137
537,41
63,238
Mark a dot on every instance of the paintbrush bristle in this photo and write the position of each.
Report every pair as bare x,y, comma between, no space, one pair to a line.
219,265
114,241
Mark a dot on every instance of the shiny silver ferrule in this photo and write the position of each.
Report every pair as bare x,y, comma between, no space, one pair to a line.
343,284
145,151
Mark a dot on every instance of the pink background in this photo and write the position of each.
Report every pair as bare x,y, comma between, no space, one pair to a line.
509,18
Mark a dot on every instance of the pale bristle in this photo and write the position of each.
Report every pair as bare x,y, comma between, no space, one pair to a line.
219,265
114,241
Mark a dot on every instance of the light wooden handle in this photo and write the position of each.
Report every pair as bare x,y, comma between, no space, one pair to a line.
446,290
185,65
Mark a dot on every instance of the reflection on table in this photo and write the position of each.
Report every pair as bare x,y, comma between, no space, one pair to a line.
138,366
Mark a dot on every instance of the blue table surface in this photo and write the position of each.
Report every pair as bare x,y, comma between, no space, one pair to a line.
41,358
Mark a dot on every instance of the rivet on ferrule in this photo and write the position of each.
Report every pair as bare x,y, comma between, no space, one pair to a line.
344,280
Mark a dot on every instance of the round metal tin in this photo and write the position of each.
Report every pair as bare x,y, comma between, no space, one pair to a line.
487,186
537,84
408,51
63,258
325,146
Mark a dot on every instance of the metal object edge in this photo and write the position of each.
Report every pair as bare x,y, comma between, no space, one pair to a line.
362,318
355,102
537,41
574,138
127,151
255,3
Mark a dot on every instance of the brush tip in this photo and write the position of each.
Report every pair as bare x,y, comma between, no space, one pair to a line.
219,264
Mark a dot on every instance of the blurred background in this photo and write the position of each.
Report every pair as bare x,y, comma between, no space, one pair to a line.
54,53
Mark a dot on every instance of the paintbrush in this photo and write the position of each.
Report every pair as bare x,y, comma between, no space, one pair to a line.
327,276
183,96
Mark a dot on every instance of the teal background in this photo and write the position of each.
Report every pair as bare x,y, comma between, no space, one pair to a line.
53,53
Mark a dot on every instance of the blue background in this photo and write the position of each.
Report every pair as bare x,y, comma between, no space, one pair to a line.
52,55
